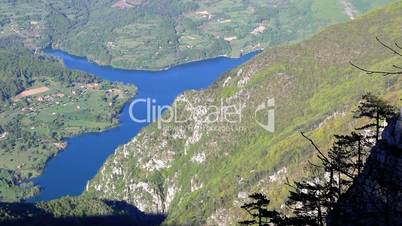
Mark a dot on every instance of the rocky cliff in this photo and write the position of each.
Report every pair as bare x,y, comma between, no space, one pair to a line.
375,198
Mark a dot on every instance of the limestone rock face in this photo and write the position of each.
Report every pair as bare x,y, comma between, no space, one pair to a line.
375,198
393,133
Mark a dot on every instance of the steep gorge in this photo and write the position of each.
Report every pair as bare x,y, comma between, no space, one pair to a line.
199,172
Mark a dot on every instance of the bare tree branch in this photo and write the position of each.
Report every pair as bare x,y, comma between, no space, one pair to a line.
396,66
397,45
384,73
324,158
314,165
389,47
370,72
289,184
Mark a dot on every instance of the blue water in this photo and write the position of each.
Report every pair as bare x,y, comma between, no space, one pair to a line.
69,171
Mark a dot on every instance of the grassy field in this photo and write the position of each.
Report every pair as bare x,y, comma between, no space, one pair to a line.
157,34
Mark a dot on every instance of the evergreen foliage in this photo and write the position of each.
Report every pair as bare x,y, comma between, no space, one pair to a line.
376,110
312,199
259,212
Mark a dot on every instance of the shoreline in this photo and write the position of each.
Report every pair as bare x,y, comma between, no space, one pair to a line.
64,140
155,69
37,197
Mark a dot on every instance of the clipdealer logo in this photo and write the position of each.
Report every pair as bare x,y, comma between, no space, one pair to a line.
264,114
266,108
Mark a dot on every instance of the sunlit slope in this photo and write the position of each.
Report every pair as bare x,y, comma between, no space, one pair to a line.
200,172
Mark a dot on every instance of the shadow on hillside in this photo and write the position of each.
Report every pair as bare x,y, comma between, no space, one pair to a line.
30,215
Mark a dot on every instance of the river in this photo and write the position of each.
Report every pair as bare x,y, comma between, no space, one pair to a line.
68,172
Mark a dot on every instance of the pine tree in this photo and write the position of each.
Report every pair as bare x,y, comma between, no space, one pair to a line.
357,146
345,159
312,199
258,210
307,201
376,110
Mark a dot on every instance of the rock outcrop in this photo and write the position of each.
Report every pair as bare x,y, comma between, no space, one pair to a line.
375,198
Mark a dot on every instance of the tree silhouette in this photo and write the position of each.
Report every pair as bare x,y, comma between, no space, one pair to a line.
307,201
338,166
356,146
313,199
258,210
376,110
345,159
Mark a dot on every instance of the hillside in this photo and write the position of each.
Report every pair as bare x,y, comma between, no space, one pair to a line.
41,104
199,172
156,34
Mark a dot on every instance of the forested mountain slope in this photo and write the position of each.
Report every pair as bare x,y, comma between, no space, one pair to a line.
199,172
41,104
158,33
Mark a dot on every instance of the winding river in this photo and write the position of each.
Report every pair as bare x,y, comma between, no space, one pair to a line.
69,171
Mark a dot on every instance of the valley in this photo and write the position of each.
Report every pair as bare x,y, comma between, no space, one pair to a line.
86,153
136,112
208,168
